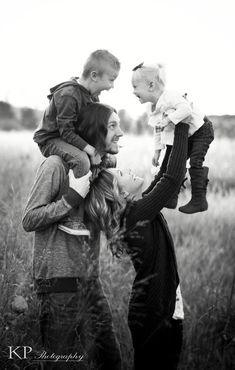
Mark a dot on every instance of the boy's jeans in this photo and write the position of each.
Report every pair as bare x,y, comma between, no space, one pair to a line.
79,324
76,159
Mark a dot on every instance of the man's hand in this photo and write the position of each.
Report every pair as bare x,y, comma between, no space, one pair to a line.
95,158
90,150
81,185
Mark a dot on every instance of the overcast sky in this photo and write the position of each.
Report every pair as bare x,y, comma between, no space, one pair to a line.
44,42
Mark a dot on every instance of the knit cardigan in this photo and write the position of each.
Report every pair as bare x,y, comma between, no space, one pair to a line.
151,248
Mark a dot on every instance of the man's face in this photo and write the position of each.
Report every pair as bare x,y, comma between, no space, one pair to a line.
141,89
106,80
113,134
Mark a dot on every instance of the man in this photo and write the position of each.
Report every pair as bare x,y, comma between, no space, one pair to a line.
74,312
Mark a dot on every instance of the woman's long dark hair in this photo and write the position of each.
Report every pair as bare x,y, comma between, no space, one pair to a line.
92,124
104,207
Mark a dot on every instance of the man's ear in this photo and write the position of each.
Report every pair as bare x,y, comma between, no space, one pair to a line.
151,86
93,76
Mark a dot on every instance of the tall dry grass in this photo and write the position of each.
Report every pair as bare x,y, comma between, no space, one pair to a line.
204,246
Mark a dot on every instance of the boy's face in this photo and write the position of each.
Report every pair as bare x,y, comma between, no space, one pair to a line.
141,89
114,132
106,80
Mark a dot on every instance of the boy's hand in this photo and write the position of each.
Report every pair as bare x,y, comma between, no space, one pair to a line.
95,159
90,150
81,185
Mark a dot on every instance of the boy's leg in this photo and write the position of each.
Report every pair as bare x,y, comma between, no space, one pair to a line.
199,144
79,162
76,159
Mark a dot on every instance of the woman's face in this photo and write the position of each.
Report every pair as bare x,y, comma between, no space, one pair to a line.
127,181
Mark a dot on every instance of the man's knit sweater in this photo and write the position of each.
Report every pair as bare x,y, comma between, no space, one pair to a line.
59,258
152,250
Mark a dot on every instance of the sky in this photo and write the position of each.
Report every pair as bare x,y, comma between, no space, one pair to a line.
45,42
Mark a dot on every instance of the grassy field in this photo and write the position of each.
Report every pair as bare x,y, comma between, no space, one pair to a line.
204,246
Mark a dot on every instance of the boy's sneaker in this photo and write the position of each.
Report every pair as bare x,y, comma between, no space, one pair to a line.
73,227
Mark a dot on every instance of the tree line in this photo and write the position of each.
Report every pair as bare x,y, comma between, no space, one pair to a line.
25,118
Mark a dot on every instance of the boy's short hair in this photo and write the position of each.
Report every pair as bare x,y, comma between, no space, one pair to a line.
98,61
151,72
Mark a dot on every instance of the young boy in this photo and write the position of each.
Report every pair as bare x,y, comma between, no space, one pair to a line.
168,109
56,134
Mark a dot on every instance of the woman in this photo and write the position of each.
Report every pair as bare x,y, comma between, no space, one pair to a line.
154,321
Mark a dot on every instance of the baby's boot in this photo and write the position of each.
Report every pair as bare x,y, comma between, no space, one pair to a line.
199,182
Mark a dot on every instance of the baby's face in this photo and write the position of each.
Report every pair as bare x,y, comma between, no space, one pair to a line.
140,88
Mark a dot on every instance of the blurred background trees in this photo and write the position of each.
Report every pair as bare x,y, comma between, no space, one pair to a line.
12,118
25,118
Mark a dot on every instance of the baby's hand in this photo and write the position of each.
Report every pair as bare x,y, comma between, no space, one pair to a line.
165,122
155,160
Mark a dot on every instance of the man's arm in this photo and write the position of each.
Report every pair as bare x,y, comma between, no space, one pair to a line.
43,209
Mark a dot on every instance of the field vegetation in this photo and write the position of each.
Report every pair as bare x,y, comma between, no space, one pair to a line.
204,246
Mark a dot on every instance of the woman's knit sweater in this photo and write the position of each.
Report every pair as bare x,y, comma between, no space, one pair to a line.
151,247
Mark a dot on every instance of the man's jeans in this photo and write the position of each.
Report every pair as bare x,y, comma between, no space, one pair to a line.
79,324
76,159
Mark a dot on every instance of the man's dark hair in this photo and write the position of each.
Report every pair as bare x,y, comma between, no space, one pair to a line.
93,124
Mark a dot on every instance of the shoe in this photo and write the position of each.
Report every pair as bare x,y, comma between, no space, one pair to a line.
73,227
199,182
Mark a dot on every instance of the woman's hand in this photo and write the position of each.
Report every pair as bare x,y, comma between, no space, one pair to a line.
81,185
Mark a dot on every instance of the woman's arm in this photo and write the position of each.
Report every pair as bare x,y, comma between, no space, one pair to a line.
151,204
160,172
